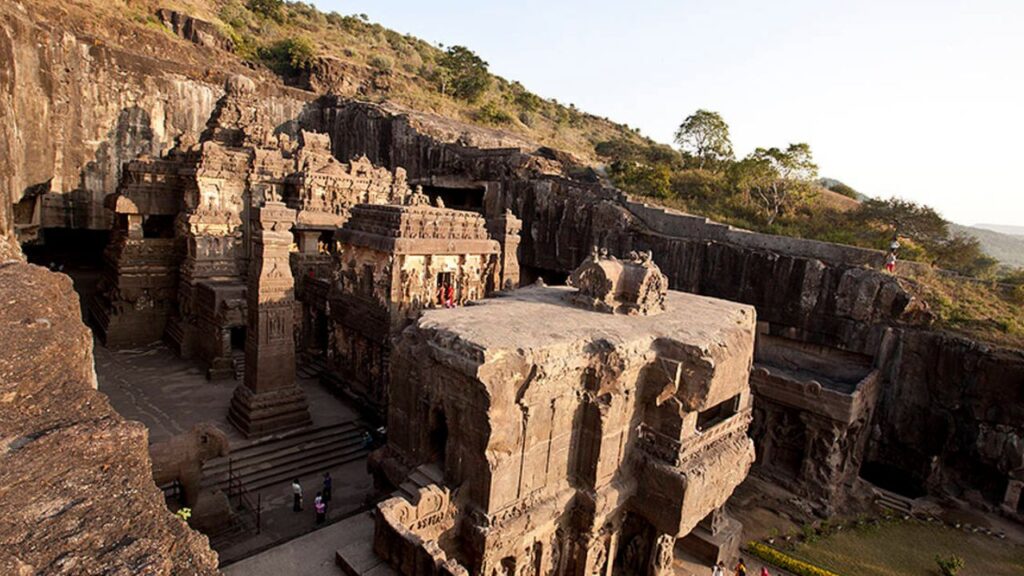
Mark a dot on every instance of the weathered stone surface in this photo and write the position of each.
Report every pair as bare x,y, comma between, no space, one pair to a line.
77,494
76,108
530,436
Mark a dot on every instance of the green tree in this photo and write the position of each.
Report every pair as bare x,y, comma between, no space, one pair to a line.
902,218
462,74
776,179
704,136
963,254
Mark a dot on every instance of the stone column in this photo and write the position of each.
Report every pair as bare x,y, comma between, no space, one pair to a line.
269,400
505,229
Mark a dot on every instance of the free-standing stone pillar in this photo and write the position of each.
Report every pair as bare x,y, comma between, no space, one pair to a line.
269,400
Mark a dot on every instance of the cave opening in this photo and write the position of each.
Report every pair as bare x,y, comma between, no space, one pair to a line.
459,198
893,479
530,274
75,252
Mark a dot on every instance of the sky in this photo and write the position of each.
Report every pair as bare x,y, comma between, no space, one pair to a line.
918,99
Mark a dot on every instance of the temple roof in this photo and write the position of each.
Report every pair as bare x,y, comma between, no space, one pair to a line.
417,229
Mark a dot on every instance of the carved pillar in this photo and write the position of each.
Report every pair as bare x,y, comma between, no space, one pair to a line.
269,400
505,229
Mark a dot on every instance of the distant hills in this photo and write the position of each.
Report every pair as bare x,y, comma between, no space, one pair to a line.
1003,229
1008,247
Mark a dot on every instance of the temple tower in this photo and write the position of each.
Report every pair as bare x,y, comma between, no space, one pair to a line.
269,400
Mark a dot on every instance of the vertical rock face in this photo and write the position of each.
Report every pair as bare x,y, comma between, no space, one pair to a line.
952,418
74,109
78,495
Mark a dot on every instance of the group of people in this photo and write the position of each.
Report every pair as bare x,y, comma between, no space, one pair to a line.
323,497
739,570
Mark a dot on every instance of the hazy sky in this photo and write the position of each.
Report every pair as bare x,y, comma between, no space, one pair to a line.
919,99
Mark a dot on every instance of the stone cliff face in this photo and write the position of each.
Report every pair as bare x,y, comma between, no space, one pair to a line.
74,109
77,491
951,418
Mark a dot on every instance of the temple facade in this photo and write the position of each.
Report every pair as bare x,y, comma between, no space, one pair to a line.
395,262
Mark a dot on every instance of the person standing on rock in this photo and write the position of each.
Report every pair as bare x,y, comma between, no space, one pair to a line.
327,487
890,263
296,496
321,509
718,569
741,568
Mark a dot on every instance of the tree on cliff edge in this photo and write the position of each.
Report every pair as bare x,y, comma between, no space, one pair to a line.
704,138
776,179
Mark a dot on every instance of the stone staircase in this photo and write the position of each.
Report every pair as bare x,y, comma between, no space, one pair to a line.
238,364
276,460
892,501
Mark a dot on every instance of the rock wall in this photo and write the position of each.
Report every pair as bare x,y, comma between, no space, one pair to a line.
78,495
74,109
952,416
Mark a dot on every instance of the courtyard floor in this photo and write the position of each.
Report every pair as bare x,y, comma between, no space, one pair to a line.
169,395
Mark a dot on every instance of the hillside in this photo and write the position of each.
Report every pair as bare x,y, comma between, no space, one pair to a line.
1008,249
350,56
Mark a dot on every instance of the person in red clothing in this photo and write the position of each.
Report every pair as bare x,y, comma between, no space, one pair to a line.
449,296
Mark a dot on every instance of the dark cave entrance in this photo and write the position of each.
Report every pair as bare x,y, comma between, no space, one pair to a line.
75,252
530,274
238,338
438,436
893,479
458,198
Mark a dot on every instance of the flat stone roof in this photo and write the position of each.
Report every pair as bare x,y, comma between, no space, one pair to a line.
539,317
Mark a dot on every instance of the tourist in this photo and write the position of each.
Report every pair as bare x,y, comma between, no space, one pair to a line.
327,486
297,496
440,295
741,568
718,569
367,440
321,509
765,572
449,301
890,262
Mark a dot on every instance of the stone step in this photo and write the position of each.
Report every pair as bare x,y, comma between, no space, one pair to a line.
282,469
279,459
304,470
893,502
247,453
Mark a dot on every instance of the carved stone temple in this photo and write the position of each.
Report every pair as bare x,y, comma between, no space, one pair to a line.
397,261
559,430
269,399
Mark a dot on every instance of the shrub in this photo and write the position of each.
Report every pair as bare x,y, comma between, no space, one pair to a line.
493,114
289,56
949,565
272,9
785,561
382,63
